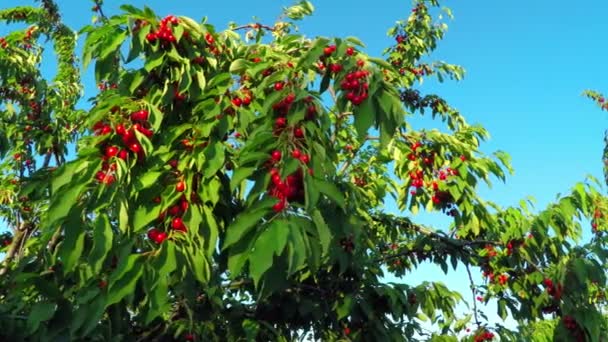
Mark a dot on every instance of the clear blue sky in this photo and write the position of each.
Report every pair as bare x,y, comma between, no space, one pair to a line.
527,63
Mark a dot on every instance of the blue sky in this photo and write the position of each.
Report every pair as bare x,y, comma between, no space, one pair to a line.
527,63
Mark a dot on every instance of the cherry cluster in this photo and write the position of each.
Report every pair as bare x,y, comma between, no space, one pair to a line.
553,290
597,217
139,123
290,189
423,157
575,329
5,239
357,86
483,335
175,212
164,34
512,245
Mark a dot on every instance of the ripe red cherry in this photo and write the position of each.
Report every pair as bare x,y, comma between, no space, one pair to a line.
111,151
156,235
123,154
173,163
152,234
276,155
335,68
279,206
135,147
305,159
151,37
141,115
246,101
279,86
298,132
180,186
120,129
296,154
177,223
329,50
280,122
350,51
237,102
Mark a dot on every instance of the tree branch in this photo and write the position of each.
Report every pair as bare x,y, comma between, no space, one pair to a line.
473,287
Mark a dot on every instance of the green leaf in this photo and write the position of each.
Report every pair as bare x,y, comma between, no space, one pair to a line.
102,242
239,65
144,215
72,245
271,242
364,118
214,159
115,40
331,191
240,175
323,230
41,312
147,179
124,283
243,223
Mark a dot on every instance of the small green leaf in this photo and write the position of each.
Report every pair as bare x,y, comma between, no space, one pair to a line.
323,230
41,312
331,191
102,242
243,223
271,242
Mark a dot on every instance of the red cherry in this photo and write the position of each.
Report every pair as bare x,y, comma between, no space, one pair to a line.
120,129
305,159
175,210
141,115
298,132
279,206
237,102
181,186
296,154
328,51
123,154
106,130
350,51
111,151
184,204
276,155
162,236
151,37
135,147
279,86
173,163
246,101
276,179
335,68
177,223
346,331
153,234
280,122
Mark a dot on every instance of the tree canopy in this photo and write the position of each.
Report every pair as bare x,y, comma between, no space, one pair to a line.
231,185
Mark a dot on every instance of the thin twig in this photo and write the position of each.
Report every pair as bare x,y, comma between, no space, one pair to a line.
473,294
